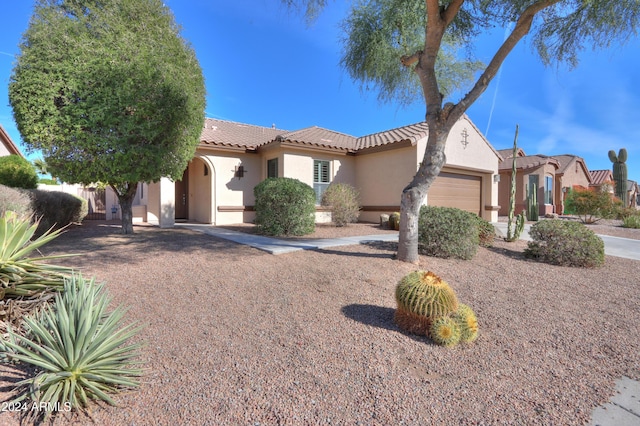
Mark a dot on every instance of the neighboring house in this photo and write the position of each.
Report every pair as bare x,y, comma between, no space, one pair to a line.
540,170
7,147
632,189
572,173
232,158
602,180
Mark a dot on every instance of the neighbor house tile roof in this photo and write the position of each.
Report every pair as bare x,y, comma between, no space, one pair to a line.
231,134
508,153
528,162
598,177
567,160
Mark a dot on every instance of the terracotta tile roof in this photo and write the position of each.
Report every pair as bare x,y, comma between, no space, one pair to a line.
598,177
412,132
528,162
319,137
508,153
231,134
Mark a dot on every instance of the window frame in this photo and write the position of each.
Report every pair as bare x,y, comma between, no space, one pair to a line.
269,162
321,178
548,190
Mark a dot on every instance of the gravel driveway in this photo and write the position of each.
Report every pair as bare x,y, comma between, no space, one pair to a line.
237,336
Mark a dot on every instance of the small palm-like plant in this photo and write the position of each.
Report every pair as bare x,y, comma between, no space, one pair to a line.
21,275
78,347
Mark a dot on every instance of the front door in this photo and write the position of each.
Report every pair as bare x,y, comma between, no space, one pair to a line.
182,197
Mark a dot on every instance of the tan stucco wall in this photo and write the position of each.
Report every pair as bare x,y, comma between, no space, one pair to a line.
572,176
200,194
522,181
229,190
381,177
3,150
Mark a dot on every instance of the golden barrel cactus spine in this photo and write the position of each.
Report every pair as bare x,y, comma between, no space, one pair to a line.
421,297
445,331
467,322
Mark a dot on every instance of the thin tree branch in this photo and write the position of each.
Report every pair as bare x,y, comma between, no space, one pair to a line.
521,29
451,11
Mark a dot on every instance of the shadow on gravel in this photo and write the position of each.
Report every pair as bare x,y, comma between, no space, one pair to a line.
376,316
513,254
355,254
104,241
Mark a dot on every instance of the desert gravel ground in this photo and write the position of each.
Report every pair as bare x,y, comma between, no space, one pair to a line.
237,336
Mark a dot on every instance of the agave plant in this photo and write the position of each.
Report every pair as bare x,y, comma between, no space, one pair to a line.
21,275
78,347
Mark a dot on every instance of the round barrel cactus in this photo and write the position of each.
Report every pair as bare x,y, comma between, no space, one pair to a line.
445,331
421,297
467,322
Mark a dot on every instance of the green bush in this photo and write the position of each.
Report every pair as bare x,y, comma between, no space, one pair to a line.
17,172
562,242
632,221
486,232
46,181
343,200
15,200
58,209
591,206
447,232
285,206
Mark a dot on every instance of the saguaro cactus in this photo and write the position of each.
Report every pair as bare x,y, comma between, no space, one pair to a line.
620,174
533,210
519,223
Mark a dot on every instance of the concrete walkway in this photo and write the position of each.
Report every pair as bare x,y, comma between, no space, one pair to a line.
623,409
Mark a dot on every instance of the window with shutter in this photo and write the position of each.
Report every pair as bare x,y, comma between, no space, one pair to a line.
272,168
321,178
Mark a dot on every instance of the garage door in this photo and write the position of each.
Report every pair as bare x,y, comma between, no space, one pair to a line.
456,190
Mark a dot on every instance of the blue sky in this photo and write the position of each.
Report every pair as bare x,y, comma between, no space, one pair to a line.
263,66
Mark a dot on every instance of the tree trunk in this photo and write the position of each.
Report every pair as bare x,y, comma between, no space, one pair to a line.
413,195
125,198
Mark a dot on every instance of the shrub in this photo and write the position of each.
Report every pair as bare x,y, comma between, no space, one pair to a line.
78,348
447,232
591,206
58,209
47,181
284,206
343,200
631,221
20,275
486,232
17,172
562,242
15,200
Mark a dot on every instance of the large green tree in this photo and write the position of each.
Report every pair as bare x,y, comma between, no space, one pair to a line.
110,92
392,44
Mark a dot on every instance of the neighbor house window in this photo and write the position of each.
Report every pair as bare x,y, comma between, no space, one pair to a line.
272,168
548,190
320,178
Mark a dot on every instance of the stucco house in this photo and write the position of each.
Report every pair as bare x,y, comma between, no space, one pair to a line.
7,147
530,169
232,158
553,176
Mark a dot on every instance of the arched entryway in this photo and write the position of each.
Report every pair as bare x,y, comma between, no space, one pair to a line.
194,193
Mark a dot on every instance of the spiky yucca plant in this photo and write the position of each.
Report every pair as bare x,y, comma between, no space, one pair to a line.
467,322
79,348
445,331
21,275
